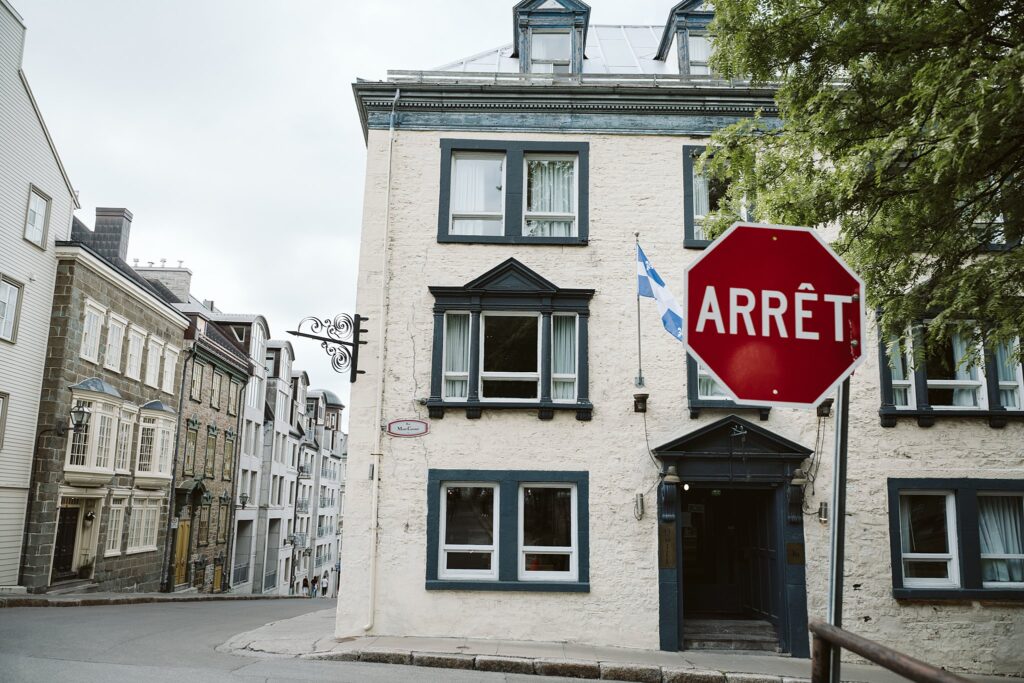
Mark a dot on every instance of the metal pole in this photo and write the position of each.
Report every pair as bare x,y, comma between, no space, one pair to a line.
639,350
838,541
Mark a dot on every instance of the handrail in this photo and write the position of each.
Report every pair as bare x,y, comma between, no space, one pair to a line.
827,636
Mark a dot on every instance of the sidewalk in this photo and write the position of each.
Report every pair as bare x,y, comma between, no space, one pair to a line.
310,636
94,599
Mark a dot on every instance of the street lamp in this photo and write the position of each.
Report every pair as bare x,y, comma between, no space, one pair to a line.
243,499
80,414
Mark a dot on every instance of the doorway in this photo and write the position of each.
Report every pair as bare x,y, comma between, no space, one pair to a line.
64,547
181,550
730,569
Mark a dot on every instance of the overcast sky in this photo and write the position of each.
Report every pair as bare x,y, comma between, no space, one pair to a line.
229,129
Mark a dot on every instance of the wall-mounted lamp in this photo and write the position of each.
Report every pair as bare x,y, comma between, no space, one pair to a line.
225,497
243,499
640,403
80,414
825,407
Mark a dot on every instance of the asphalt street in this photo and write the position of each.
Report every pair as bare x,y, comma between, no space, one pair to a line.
177,642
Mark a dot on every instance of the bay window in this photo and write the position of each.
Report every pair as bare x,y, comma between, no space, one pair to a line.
156,442
513,192
511,350
122,452
507,530
92,449
957,538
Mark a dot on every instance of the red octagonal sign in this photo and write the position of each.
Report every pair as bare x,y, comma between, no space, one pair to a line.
775,315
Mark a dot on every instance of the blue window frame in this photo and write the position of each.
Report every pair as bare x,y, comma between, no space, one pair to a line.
956,539
519,530
500,206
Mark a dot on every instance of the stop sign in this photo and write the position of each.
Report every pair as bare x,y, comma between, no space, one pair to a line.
774,315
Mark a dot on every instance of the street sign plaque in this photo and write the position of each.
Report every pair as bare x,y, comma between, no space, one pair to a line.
774,315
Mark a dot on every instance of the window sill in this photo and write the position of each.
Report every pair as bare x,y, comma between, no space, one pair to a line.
997,419
960,594
111,553
138,551
545,409
512,239
532,586
690,243
696,405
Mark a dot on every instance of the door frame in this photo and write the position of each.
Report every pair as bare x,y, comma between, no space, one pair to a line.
89,500
712,457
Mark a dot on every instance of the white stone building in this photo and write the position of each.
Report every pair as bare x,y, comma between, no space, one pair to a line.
323,410
534,508
36,205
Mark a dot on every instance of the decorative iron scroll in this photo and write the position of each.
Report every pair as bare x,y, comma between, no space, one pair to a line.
341,341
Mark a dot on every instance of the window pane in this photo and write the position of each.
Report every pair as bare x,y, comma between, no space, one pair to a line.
551,46
476,226
946,361
563,347
1001,531
469,515
549,228
924,524
547,517
476,187
550,185
510,343
1007,365
922,569
542,562
493,388
563,389
456,355
8,309
700,49
479,560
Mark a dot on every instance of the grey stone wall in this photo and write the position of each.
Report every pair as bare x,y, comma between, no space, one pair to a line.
64,368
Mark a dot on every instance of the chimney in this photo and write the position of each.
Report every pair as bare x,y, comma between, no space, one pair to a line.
178,280
110,236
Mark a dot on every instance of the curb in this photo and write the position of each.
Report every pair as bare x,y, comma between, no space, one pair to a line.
545,666
131,600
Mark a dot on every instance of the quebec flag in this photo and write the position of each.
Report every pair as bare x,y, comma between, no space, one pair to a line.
650,284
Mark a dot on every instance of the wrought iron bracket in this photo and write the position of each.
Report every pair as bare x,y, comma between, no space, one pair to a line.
342,340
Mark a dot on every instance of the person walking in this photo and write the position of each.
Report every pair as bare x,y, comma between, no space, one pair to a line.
313,587
325,584
305,586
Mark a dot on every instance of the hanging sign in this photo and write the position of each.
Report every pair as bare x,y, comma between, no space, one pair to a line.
408,428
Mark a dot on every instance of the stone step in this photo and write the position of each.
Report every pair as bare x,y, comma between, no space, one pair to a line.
730,634
76,586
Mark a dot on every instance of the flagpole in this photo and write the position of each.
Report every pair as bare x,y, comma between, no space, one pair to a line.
639,349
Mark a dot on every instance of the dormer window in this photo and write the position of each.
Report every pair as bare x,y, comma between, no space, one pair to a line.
551,52
699,47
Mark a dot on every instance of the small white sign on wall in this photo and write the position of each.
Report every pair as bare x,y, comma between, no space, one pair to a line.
408,428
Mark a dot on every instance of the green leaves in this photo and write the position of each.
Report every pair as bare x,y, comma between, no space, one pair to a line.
903,125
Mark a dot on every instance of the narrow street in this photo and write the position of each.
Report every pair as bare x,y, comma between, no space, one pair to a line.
175,642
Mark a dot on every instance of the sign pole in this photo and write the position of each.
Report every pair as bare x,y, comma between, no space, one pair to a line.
838,536
639,349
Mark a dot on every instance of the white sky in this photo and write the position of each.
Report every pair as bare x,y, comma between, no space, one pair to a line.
228,128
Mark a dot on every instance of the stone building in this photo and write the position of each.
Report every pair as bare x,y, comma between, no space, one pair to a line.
323,411
539,491
99,499
36,203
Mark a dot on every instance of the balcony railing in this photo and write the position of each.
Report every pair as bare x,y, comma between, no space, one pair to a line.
302,505
303,472
270,580
240,573
299,539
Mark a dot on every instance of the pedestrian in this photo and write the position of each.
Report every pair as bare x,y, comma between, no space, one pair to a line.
324,584
312,589
305,586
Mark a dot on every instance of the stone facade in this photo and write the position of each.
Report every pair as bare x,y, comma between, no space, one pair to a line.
84,279
635,185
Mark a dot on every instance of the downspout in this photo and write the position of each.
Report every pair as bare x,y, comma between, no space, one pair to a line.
168,542
381,335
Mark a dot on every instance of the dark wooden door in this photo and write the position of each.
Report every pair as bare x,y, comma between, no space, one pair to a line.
761,557
64,550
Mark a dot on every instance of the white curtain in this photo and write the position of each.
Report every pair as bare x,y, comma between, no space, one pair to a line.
563,356
550,188
456,357
963,397
1007,369
476,188
1002,532
898,365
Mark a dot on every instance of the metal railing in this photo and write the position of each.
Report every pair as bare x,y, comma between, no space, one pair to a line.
302,505
830,640
303,472
517,78
240,573
270,580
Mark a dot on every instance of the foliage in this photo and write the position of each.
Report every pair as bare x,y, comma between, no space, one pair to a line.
903,126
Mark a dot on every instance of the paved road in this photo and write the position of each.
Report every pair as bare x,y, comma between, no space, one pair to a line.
176,642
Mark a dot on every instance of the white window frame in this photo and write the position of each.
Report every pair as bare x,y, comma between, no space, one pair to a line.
573,551
169,373
154,347
115,523
144,524
564,377
90,348
216,389
951,558
35,192
125,441
111,353
702,371
909,384
160,460
445,374
105,445
704,66
1015,386
12,311
510,376
537,215
477,215
1001,556
90,434
980,385
444,548
133,361
568,33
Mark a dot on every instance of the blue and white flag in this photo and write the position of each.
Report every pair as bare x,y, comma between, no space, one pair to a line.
650,284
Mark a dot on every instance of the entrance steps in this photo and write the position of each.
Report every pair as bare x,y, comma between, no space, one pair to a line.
75,586
730,634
